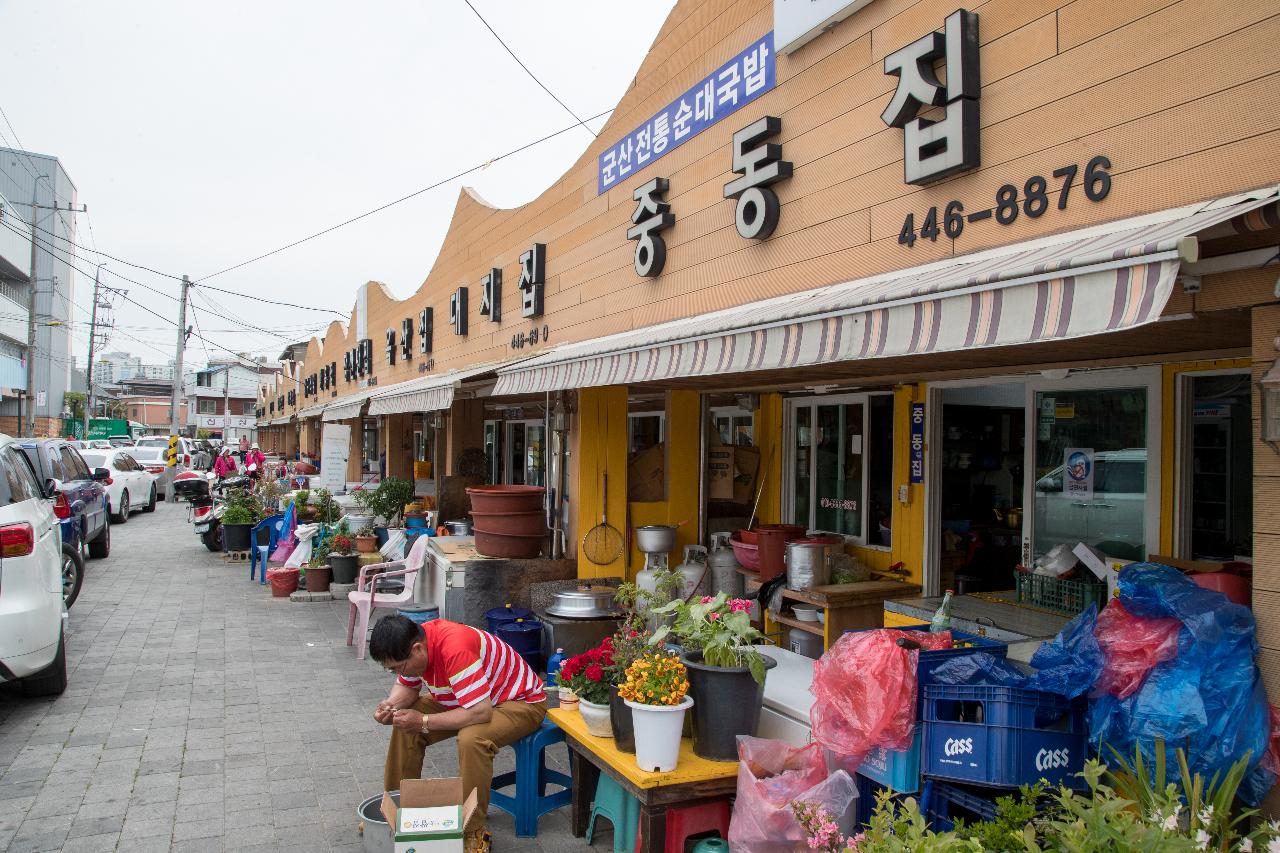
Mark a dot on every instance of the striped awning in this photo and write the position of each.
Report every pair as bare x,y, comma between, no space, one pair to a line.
345,408
428,393
1099,279
310,411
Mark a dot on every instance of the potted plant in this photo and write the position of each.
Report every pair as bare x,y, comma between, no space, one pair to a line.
242,513
366,541
342,558
269,493
318,575
388,502
585,675
326,507
656,691
726,673
629,643
302,504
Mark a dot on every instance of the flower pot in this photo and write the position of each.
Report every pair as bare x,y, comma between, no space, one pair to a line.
236,537
596,717
344,567
366,544
567,699
284,582
355,520
620,719
727,703
381,534
658,730
318,578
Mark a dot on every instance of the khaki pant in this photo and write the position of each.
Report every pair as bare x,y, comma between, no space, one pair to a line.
477,746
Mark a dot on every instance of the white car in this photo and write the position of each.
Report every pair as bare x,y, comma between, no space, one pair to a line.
32,613
1113,520
130,487
153,460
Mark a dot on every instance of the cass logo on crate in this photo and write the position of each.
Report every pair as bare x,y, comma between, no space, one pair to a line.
1052,759
958,746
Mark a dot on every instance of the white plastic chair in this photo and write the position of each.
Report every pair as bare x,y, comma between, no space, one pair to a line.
364,599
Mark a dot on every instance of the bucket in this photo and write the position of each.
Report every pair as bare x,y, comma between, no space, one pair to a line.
420,613
284,582
515,523
523,635
458,527
809,563
377,832
772,546
506,498
415,520
501,615
657,732
505,545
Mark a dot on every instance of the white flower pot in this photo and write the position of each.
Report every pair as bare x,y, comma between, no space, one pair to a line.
596,717
658,729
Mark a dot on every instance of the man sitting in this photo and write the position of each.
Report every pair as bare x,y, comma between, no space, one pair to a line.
479,689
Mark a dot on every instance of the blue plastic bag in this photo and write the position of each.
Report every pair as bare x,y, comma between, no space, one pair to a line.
1071,662
979,668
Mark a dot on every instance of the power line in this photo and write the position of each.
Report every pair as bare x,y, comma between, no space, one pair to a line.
400,200
532,76
270,301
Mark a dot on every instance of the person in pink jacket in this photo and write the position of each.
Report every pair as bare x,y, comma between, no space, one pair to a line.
255,456
225,466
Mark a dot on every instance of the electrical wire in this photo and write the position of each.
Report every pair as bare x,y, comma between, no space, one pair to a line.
402,199
532,76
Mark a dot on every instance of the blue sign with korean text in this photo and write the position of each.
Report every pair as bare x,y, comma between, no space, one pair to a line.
736,83
917,442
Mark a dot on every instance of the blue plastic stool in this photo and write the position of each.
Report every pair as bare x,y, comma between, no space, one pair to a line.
531,778
273,524
622,810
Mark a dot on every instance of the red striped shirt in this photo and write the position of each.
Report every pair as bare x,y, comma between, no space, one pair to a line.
466,665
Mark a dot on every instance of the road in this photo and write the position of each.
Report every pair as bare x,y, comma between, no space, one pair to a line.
203,714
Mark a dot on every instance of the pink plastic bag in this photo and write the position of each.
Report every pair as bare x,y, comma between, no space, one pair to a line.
865,687
1131,646
771,775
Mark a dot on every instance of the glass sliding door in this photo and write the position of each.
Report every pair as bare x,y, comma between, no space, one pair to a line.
838,457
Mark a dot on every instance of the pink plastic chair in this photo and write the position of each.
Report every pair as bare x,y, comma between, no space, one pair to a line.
364,599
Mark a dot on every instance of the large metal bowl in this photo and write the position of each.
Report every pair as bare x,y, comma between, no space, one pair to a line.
656,538
585,602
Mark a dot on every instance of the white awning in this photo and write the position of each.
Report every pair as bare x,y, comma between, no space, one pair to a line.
310,411
428,393
1099,279
345,408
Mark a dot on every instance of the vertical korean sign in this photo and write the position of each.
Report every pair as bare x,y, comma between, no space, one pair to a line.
917,442
731,86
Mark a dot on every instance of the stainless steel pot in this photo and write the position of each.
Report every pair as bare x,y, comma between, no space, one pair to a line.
808,564
585,602
461,527
656,538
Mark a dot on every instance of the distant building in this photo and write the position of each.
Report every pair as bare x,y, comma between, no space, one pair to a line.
222,397
146,401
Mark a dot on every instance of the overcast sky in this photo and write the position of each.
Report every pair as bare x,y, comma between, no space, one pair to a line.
201,135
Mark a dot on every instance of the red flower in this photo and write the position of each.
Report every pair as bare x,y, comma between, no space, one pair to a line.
595,672
593,655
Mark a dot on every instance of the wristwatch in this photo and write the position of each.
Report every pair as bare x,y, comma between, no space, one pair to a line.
426,727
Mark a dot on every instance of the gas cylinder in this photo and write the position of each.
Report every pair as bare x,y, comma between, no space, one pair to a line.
553,667
724,566
696,572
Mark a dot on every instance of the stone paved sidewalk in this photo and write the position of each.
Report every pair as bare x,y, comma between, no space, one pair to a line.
203,714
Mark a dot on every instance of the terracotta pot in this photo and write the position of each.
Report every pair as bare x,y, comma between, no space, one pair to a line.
318,578
284,582
511,523
773,549
366,544
511,547
792,531
506,498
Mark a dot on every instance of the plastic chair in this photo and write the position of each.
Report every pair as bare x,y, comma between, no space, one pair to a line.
273,524
693,819
531,776
365,597
622,810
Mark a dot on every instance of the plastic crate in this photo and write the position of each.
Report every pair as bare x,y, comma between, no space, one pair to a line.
896,769
1064,596
865,805
931,660
1002,736
944,803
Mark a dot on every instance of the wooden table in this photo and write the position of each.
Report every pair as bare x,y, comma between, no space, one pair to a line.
693,779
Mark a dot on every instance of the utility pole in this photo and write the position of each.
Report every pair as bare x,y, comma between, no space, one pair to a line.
226,404
93,333
174,416
30,427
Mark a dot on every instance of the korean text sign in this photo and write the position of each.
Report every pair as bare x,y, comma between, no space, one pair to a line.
736,83
917,442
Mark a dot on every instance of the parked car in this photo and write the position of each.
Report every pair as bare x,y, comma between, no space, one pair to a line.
1113,520
33,610
120,440
154,460
186,447
98,444
79,502
129,488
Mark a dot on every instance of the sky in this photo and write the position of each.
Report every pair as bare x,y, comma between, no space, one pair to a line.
202,135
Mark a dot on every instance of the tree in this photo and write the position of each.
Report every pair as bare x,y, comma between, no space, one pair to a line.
75,403
203,433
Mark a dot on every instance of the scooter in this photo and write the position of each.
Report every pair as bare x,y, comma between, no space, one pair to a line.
207,503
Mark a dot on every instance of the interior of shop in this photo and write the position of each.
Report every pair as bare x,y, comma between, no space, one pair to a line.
1219,523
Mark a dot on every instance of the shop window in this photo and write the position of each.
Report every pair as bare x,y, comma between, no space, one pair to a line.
526,453
840,465
369,443
493,449
206,407
1216,517
734,426
644,430
646,453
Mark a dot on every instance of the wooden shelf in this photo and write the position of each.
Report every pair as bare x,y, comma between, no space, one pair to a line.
793,622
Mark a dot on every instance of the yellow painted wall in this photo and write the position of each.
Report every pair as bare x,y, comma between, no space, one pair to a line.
1168,433
682,432
600,447
769,437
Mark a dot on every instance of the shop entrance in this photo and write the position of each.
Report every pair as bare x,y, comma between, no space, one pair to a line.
1217,468
981,483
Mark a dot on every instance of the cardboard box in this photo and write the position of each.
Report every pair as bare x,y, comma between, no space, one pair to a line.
746,470
1196,566
1105,567
647,475
432,815
720,472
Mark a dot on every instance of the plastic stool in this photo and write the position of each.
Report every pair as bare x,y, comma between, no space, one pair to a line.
622,810
711,845
684,821
531,777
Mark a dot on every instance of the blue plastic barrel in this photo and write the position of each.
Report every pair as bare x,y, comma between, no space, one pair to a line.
523,635
422,614
501,615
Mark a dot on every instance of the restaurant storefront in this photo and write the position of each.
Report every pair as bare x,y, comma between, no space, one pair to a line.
960,286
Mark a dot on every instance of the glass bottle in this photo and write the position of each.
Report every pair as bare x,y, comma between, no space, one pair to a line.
942,616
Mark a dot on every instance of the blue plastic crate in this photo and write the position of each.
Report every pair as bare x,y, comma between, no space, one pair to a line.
865,805
1002,736
896,769
943,804
931,660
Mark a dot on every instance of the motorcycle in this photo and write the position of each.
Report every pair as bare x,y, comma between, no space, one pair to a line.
206,496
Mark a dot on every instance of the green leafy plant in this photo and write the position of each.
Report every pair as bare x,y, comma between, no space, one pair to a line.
1015,813
364,532
326,507
238,515
302,497
269,492
242,504
388,500
717,626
